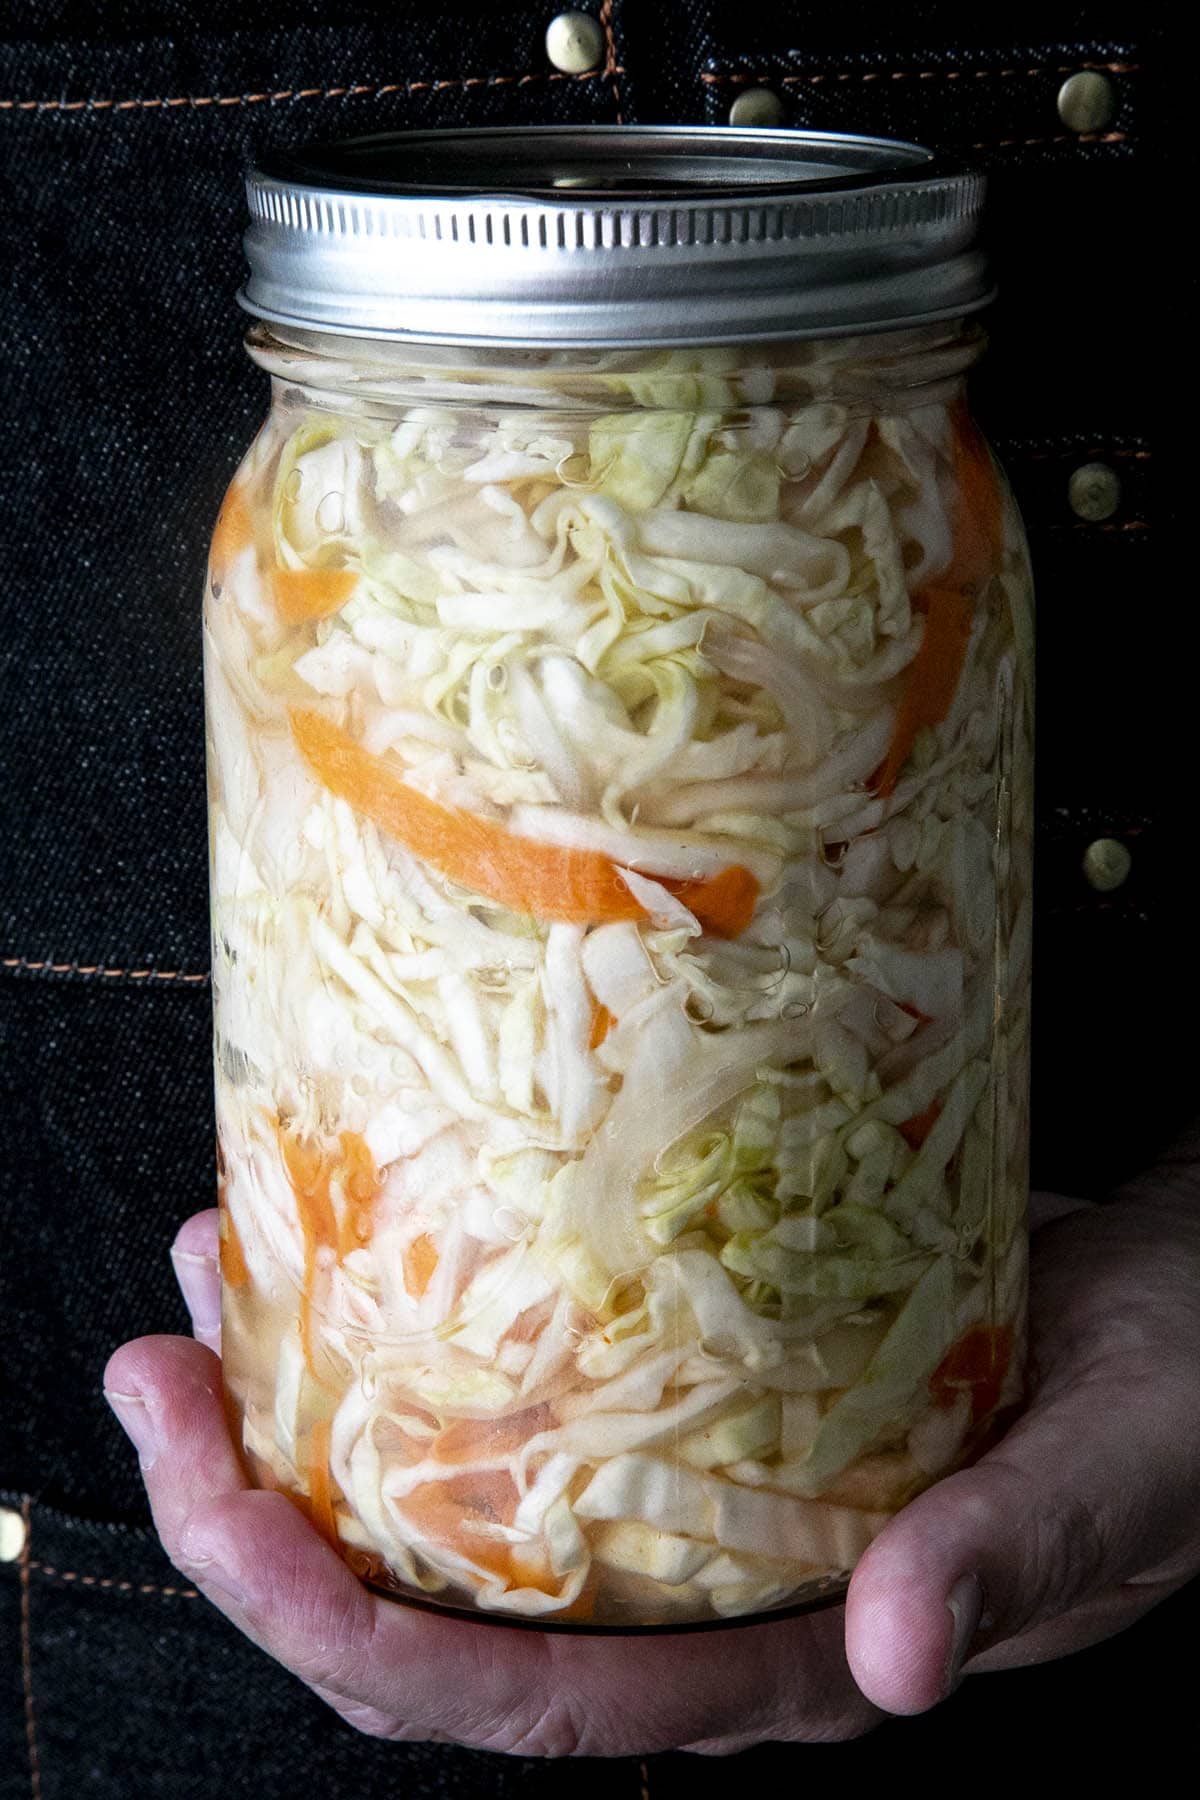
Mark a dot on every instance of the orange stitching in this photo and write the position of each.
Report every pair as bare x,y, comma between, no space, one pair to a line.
922,74
1066,137
1067,525
108,1581
611,68
610,58
644,1772
35,1773
51,968
1102,450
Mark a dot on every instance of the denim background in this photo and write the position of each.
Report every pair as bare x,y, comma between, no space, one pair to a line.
124,131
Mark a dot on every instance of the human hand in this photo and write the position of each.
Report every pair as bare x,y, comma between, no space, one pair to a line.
1071,1528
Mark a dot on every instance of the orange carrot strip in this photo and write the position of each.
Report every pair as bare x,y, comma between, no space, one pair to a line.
232,1257
947,604
445,1510
914,1131
320,1481
233,531
309,1170
309,1173
976,1364
418,1261
724,903
361,1175
932,677
472,1440
602,1024
543,881
304,595
360,1185
979,529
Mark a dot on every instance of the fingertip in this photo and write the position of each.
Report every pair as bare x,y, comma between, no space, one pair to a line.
199,1235
167,1394
900,1628
195,1260
160,1362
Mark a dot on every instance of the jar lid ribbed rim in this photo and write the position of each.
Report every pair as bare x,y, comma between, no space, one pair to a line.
612,236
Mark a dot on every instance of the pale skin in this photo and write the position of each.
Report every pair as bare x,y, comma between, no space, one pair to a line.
1078,1522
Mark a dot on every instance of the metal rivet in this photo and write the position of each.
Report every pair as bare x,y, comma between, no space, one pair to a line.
1087,101
574,42
1094,492
12,1534
756,107
1106,864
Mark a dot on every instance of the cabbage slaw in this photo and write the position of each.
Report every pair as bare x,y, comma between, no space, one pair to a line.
621,1129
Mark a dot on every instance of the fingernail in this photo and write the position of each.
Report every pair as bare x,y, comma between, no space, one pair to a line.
964,1603
136,1420
200,1284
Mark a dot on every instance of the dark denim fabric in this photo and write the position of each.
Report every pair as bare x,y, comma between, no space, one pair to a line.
125,128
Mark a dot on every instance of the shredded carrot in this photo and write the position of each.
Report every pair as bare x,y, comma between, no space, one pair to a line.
948,604
304,595
233,531
914,1131
976,1364
979,528
932,676
360,1186
312,1171
234,1272
471,1440
602,1024
450,1512
724,903
446,1510
419,1260
309,1172
320,1481
543,881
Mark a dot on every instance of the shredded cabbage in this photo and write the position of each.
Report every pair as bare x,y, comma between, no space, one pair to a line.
619,1073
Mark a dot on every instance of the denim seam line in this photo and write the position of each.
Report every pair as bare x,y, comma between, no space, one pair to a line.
98,970
35,1770
1087,525
775,79
111,1582
376,90
610,69
1065,137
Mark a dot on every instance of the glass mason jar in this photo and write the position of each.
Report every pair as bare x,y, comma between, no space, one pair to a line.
618,669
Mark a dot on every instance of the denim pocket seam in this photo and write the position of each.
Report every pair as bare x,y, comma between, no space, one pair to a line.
772,78
35,1770
29,966
167,1591
377,90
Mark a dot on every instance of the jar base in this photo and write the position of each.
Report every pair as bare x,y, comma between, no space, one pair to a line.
832,1592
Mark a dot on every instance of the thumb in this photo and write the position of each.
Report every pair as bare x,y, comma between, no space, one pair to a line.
1093,1486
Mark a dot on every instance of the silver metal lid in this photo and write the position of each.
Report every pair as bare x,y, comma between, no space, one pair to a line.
611,236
